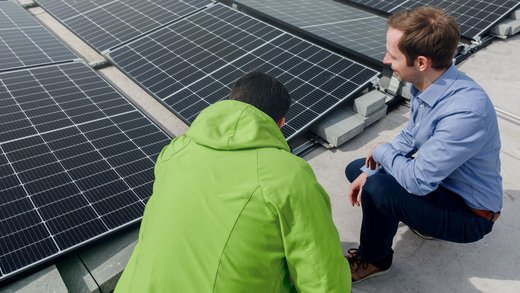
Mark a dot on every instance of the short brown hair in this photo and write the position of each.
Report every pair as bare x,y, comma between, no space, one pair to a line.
427,31
264,92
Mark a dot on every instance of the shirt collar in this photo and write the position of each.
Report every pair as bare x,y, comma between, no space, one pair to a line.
437,89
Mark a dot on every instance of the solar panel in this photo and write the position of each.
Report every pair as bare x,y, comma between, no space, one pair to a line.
474,17
106,24
24,42
76,162
194,62
334,23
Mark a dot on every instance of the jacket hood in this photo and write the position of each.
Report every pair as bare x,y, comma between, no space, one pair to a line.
234,125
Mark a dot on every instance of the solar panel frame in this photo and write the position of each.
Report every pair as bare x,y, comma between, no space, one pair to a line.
105,25
76,163
187,67
335,24
24,42
475,17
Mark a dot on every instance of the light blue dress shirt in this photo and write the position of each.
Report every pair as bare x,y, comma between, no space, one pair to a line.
453,135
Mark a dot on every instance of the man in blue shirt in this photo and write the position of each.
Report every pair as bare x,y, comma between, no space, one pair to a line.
441,174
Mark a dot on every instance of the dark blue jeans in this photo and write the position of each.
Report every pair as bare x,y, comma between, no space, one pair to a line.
441,214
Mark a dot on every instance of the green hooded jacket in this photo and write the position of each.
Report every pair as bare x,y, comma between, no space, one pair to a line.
233,210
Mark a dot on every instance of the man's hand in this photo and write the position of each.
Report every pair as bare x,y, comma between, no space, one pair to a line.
370,163
354,191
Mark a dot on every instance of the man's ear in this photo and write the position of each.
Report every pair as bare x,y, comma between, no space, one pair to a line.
423,63
280,122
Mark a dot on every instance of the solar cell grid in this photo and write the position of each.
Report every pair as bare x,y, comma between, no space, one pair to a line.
76,162
335,23
475,17
24,42
106,24
193,63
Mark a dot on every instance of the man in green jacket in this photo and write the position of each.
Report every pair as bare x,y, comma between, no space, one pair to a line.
233,210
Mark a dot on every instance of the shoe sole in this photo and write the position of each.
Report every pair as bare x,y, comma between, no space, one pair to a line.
371,276
423,236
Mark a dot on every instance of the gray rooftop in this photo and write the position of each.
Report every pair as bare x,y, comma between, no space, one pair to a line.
490,265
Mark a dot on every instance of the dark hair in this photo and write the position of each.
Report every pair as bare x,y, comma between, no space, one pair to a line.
264,92
429,32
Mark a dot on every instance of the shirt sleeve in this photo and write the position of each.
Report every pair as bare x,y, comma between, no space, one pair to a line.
403,142
312,246
369,171
457,137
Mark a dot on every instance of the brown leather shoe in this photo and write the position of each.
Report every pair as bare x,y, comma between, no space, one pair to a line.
361,269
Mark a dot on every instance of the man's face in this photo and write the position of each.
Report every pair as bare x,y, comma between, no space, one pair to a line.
396,58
